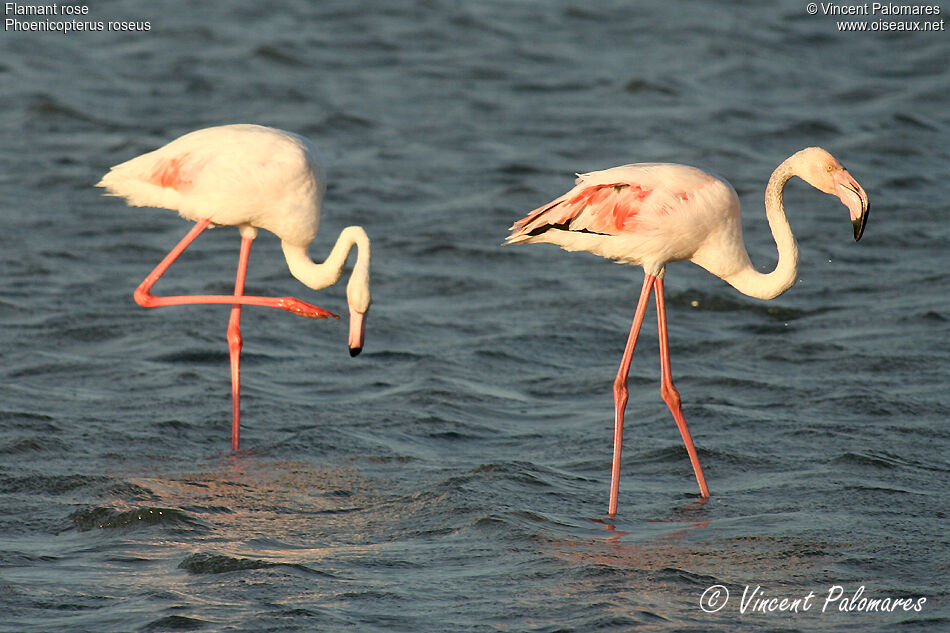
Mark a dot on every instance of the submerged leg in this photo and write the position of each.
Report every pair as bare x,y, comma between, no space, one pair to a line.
145,298
620,390
668,391
235,342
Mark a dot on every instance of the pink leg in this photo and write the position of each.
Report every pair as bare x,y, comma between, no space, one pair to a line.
620,390
145,298
235,342
668,391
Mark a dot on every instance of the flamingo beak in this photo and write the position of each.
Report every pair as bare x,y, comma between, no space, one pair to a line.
357,331
852,195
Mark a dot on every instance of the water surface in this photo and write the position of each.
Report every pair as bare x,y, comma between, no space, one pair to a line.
454,476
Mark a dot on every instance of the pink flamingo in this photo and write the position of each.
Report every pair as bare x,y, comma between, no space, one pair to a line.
649,214
250,177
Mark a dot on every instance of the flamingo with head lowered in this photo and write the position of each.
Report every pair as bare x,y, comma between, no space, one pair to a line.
650,214
251,177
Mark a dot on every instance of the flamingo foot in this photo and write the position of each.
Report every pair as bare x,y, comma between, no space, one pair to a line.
302,308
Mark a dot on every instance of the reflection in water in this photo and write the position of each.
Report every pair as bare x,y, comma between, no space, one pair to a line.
654,572
255,502
677,515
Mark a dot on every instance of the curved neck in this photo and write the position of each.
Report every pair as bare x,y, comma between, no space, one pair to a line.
768,286
317,276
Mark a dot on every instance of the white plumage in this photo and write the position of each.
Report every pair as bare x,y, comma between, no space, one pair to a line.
233,174
251,177
649,214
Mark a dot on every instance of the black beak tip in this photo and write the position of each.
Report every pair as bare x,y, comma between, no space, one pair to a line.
860,222
355,351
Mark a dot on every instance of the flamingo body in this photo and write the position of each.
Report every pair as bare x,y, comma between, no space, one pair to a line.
645,214
649,214
233,175
251,177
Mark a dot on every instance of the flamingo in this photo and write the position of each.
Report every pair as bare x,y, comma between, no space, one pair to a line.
251,177
649,214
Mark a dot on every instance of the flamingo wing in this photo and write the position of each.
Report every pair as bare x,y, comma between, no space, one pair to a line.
643,213
606,209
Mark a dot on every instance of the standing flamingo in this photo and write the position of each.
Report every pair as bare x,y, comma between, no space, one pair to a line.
250,177
649,214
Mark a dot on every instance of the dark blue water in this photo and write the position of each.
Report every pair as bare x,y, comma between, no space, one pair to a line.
454,477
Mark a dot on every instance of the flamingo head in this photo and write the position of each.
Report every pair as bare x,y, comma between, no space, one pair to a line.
822,171
358,298
357,331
